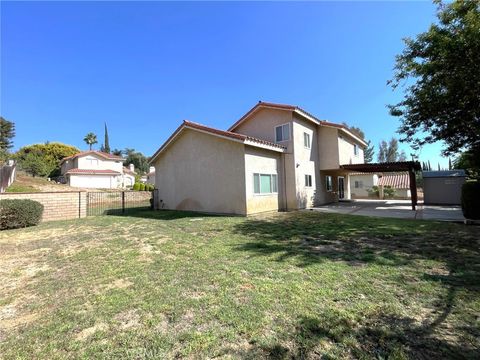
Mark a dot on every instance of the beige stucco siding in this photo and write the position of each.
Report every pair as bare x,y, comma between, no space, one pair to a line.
367,181
346,151
328,148
263,162
202,172
306,162
83,162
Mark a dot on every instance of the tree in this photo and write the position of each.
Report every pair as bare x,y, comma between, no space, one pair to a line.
7,133
439,71
468,162
368,153
90,139
355,130
106,146
51,153
36,164
117,152
388,152
136,158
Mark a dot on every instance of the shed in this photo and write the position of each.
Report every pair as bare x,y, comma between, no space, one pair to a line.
443,187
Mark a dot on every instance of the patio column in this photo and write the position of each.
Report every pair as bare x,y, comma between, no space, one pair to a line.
413,187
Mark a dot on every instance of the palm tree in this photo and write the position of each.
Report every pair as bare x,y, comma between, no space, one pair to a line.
90,139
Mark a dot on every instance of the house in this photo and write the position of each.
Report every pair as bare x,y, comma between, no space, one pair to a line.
129,176
150,177
95,169
276,157
361,184
443,187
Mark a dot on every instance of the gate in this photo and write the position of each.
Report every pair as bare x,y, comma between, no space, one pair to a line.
118,202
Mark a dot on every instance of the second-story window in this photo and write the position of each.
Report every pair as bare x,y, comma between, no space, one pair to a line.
308,180
306,140
355,149
282,132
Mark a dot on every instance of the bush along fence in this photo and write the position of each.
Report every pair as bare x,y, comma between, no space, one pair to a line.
19,213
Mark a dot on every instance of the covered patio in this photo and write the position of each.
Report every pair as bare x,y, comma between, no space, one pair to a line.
391,167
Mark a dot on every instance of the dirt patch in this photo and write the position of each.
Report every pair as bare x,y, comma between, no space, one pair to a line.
117,284
86,333
163,324
128,319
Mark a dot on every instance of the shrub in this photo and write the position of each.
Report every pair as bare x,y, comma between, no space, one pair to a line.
142,187
149,187
136,186
470,200
16,213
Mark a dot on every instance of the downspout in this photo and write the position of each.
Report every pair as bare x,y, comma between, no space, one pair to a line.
285,182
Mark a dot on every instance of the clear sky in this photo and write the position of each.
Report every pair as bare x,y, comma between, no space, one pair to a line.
143,67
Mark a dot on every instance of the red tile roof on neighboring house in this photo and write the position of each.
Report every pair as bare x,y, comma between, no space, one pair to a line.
293,108
397,181
92,172
99,153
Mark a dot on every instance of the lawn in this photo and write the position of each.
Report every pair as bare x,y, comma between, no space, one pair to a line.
291,285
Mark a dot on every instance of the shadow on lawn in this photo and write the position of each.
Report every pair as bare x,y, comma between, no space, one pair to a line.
147,213
313,238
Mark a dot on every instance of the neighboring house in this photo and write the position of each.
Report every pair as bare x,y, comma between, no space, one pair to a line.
276,157
150,177
360,184
443,187
94,169
129,176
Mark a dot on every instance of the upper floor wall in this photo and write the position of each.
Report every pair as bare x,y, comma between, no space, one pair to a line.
92,162
350,152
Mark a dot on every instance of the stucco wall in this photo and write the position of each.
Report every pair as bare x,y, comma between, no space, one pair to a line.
263,162
306,163
368,181
327,141
102,164
202,172
443,190
346,151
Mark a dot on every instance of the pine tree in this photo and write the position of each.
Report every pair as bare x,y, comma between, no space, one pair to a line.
106,145
368,153
7,132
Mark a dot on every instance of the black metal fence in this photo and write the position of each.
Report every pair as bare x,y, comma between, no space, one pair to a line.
118,202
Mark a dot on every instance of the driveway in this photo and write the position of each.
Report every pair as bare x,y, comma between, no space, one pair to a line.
394,209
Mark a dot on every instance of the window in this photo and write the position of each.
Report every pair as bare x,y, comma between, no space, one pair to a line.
306,140
308,180
91,162
355,149
328,183
358,184
282,132
264,183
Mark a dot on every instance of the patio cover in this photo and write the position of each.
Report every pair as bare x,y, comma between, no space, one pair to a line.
410,166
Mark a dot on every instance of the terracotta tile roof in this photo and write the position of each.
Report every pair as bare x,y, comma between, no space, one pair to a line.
99,153
92,172
397,181
291,108
227,134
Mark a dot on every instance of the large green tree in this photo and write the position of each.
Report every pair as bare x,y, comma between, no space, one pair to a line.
389,151
106,144
136,158
439,71
369,152
7,133
51,154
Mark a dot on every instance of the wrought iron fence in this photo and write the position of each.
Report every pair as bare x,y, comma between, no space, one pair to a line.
117,202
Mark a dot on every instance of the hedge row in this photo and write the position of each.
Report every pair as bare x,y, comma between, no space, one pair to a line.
143,187
19,213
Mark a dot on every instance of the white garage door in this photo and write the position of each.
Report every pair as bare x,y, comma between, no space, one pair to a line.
92,181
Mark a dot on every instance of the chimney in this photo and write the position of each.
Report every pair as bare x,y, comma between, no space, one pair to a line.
152,169
131,167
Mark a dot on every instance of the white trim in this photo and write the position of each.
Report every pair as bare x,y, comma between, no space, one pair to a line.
264,146
326,183
260,183
311,181
305,115
338,186
309,141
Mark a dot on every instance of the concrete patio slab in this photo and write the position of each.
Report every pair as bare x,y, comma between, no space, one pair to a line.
394,209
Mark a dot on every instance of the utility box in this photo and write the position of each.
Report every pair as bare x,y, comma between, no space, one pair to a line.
443,187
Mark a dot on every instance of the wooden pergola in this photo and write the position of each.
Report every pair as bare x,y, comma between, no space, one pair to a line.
398,166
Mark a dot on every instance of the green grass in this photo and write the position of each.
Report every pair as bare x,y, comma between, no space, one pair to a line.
18,188
296,285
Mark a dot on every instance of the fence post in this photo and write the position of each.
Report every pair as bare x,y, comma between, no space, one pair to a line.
79,204
123,202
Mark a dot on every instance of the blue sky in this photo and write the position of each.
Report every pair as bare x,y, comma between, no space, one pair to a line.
143,67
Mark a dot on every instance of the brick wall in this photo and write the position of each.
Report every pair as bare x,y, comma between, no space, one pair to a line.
57,205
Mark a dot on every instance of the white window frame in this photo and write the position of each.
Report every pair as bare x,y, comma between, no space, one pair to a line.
283,134
273,184
329,188
307,136
358,184
356,150
308,181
